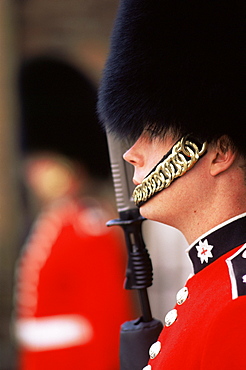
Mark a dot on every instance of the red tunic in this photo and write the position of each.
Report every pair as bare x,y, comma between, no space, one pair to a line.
70,300
206,330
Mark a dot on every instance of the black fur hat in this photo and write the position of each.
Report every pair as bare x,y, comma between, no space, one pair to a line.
58,106
178,63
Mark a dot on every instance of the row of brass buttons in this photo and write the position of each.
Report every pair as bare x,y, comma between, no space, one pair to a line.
170,318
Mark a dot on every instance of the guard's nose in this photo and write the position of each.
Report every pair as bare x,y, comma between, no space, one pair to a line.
133,157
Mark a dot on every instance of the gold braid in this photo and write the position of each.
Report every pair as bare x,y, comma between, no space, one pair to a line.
183,156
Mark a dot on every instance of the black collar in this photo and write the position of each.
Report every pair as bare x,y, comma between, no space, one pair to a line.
217,242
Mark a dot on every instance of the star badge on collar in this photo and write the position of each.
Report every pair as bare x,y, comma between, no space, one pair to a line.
204,251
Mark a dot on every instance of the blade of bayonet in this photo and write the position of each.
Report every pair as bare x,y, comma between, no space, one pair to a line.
122,173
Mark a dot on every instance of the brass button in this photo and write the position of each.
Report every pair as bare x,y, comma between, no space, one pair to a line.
170,317
182,295
154,349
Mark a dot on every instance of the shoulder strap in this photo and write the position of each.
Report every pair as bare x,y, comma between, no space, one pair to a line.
237,271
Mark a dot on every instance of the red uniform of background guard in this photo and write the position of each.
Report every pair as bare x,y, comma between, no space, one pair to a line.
70,296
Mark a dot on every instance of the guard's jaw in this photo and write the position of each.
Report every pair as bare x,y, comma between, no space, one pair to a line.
181,158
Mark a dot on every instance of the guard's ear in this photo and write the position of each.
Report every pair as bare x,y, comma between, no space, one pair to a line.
224,156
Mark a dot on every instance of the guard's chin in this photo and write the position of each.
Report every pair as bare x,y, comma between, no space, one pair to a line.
147,211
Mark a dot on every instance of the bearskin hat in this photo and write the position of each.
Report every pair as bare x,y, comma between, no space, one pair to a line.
176,63
58,113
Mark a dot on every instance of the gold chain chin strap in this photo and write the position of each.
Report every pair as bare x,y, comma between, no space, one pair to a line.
175,165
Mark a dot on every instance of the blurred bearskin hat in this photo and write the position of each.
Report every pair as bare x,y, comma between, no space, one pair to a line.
58,113
176,63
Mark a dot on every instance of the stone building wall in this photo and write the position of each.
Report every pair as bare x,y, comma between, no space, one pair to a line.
76,29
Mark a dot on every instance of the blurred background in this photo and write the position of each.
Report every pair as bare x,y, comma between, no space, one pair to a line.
76,31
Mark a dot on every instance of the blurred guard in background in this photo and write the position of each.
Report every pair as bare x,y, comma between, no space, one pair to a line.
69,299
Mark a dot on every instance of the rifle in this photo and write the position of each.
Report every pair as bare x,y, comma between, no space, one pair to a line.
138,335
